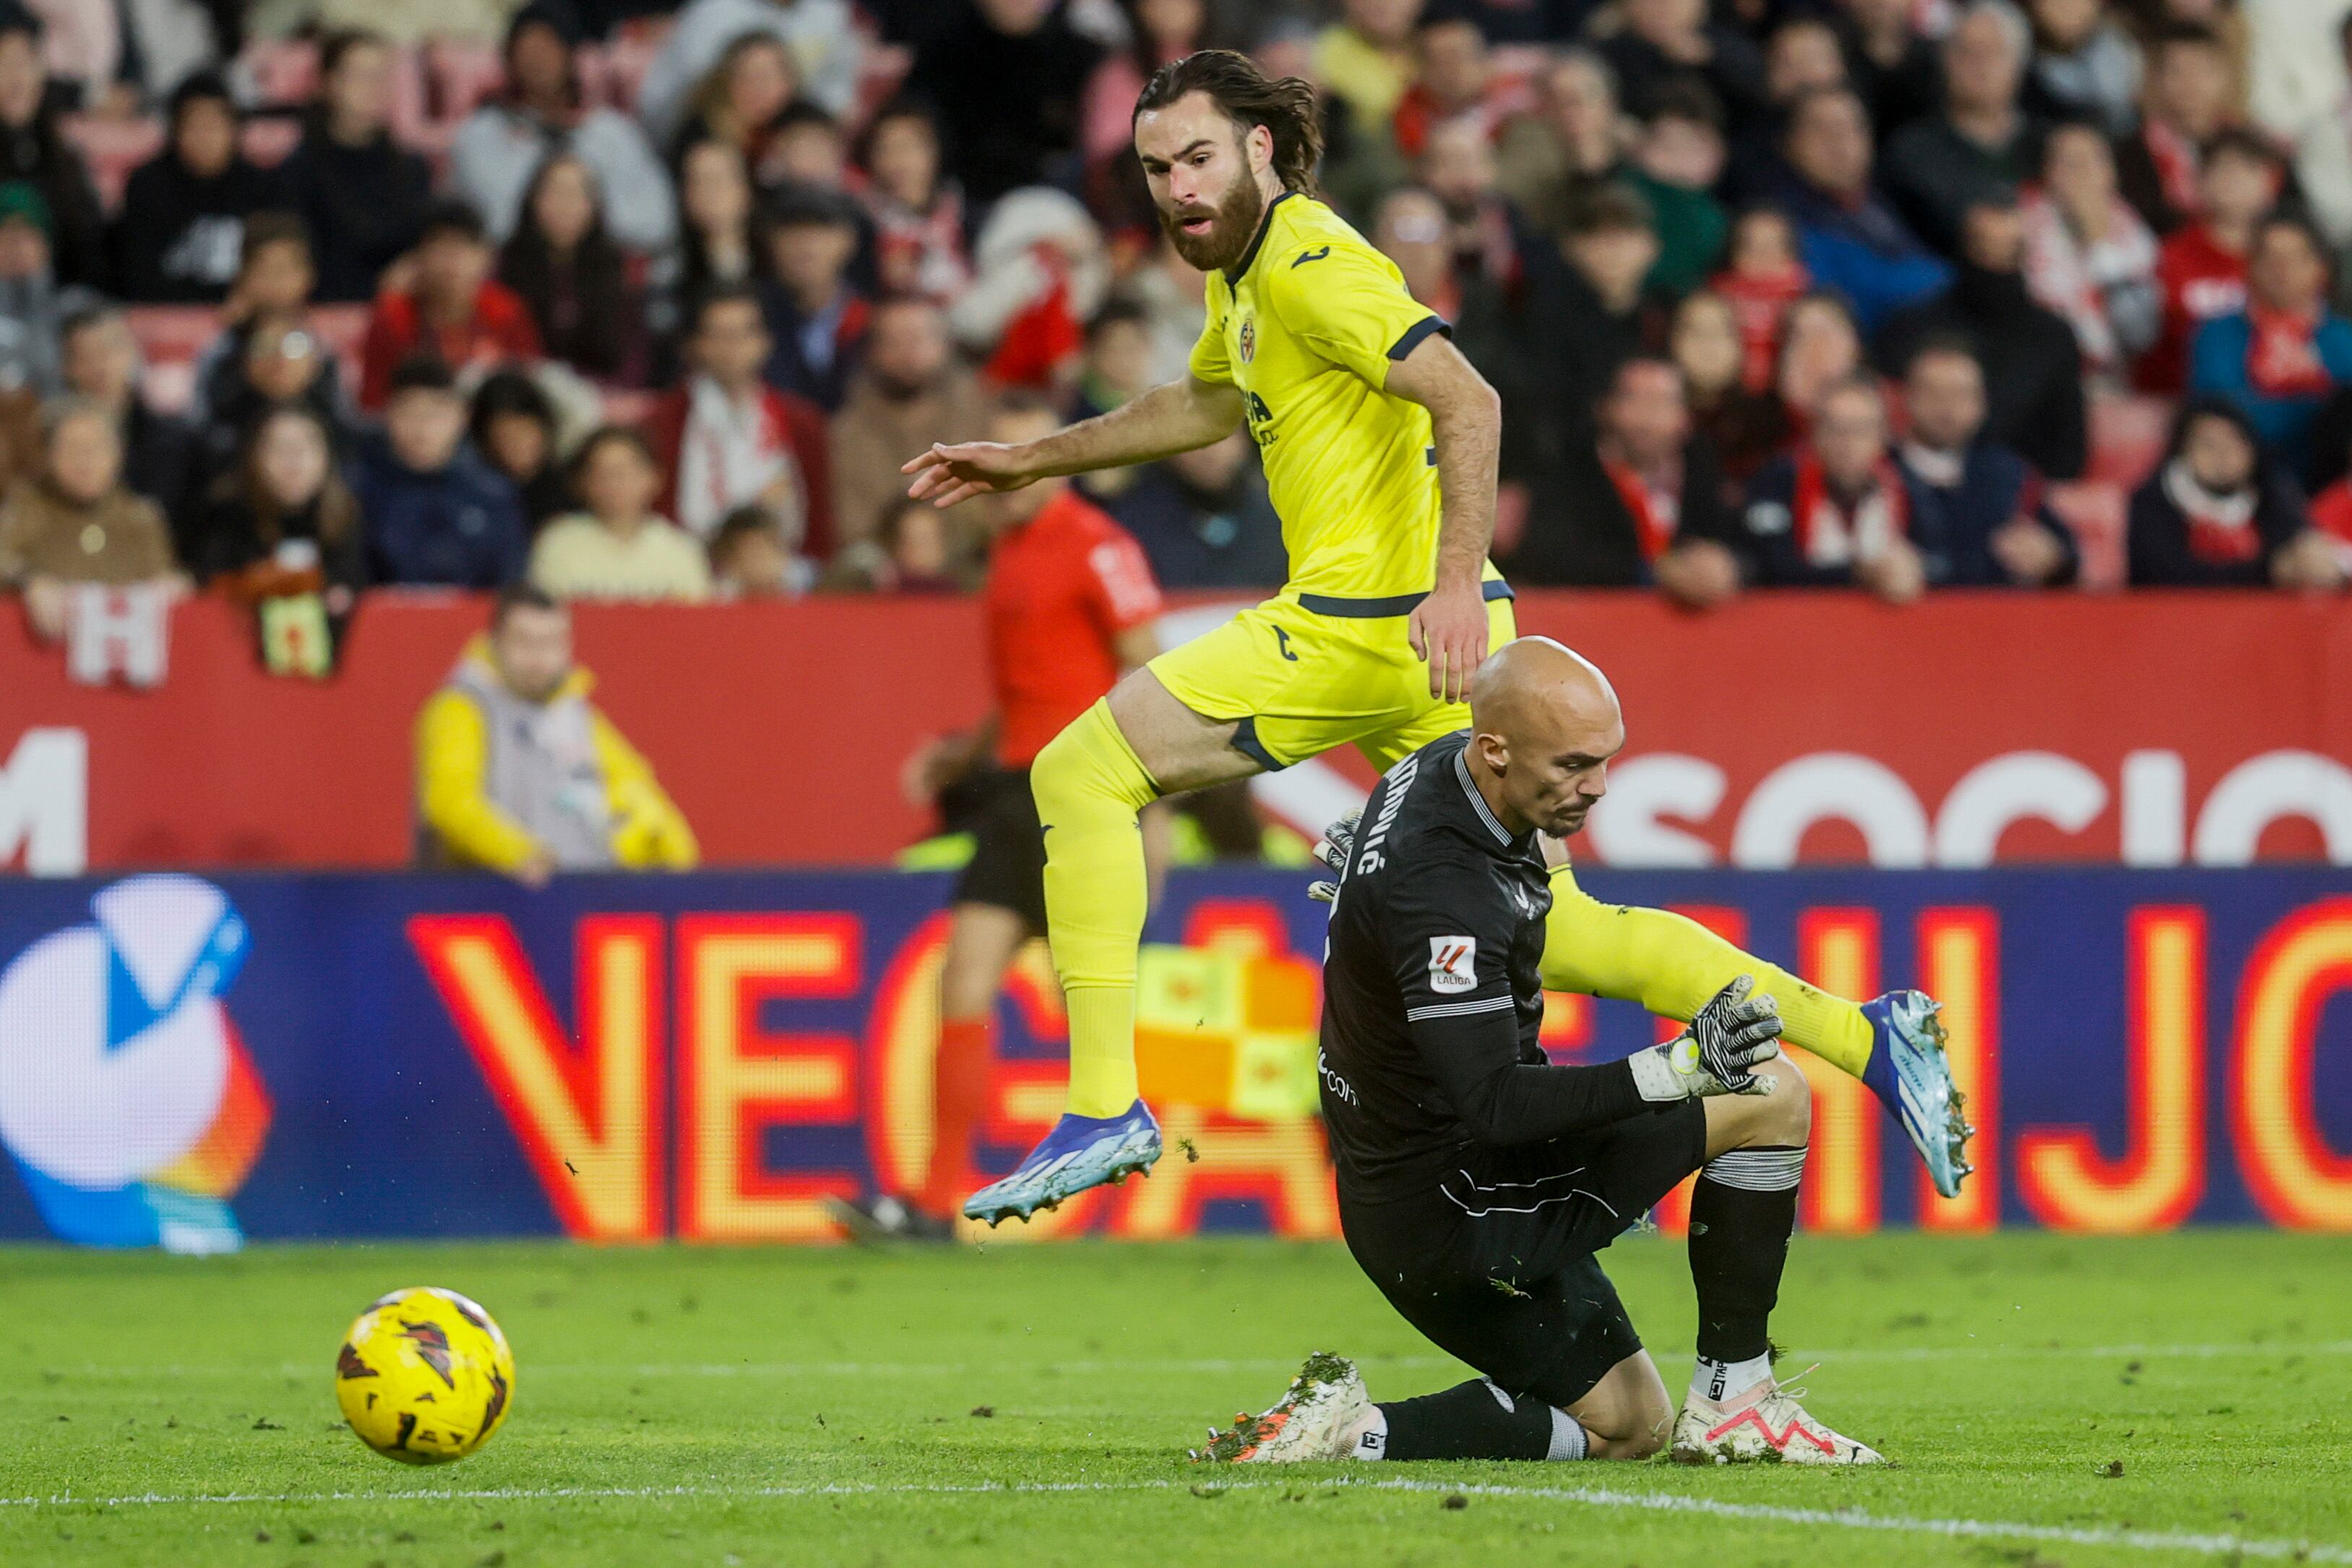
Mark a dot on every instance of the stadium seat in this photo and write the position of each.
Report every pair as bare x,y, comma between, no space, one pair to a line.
279,73
884,66
412,114
267,141
611,76
2127,437
173,337
111,149
170,339
628,406
343,329
2095,511
459,75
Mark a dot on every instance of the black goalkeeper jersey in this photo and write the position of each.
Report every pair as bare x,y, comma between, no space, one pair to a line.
1432,994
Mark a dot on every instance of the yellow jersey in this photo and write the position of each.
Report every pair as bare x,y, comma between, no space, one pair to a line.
1306,325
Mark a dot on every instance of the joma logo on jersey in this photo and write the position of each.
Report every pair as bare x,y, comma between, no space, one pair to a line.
1454,962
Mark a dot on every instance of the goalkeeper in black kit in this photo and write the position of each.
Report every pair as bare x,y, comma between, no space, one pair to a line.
1477,1181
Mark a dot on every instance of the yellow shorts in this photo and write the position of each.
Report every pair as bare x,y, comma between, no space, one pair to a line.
1300,682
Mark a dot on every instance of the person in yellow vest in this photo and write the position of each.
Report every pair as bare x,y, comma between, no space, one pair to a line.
518,772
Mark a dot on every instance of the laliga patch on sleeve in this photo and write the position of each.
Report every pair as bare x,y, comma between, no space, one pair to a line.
1454,962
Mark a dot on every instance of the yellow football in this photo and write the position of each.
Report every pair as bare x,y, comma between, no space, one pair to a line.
424,1377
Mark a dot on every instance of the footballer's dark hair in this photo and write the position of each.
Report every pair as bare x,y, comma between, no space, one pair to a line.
1249,98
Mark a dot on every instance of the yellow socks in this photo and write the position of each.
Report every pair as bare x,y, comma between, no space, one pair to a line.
1089,788
1671,966
1102,1049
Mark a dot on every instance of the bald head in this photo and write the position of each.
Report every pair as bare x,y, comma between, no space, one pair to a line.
1544,723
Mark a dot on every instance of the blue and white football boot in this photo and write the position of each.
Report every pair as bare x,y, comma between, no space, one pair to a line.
1081,1152
1908,1072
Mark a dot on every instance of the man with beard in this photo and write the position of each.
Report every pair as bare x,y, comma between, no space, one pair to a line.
1380,443
1996,523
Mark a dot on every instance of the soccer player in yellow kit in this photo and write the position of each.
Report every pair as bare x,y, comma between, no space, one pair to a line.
1378,441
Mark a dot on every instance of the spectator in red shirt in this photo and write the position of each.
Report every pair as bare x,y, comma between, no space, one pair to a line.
448,308
728,440
1765,279
1453,77
2202,267
1069,603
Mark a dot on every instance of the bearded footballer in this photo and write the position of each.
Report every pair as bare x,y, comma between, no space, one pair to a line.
1378,441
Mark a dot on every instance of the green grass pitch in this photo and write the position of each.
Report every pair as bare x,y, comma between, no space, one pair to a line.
2173,1399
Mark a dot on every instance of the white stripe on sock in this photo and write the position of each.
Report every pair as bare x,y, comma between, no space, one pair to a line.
1758,1170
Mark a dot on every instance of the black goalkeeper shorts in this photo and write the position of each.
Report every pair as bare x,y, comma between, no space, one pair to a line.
1008,854
1498,1268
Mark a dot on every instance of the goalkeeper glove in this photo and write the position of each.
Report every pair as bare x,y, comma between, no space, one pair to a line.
1338,838
1719,1053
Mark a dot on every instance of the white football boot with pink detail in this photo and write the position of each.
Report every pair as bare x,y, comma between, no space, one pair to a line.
1317,1418
1764,1425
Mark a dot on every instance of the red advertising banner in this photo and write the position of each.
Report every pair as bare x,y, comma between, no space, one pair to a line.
2154,729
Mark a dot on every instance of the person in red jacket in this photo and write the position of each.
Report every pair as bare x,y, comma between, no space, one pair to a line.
2202,267
1069,605
727,439
442,302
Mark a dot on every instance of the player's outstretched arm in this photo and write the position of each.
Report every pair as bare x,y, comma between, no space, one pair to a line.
1166,419
1465,415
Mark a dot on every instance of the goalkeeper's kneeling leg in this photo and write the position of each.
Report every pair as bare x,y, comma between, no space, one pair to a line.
1781,1119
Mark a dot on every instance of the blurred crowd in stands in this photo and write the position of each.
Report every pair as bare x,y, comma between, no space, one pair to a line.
309,298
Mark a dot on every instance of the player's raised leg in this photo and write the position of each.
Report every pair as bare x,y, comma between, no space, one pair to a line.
1742,1213
1670,966
1091,783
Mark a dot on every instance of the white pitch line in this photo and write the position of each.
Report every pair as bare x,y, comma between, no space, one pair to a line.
1087,1368
2204,1544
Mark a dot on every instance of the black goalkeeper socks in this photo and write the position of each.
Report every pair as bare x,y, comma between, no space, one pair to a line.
1741,1215
1475,1420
